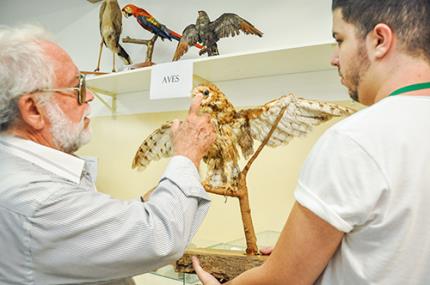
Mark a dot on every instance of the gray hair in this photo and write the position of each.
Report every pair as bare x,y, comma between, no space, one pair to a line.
24,68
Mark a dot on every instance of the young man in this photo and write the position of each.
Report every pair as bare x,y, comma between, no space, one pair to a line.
55,228
361,215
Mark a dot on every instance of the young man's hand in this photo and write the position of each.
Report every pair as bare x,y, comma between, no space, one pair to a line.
204,277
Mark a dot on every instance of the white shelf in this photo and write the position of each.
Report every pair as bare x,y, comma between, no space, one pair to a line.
265,63
227,68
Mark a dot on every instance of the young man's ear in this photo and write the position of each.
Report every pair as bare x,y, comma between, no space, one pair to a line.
380,41
30,112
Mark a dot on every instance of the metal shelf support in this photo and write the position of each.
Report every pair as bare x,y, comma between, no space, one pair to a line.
113,105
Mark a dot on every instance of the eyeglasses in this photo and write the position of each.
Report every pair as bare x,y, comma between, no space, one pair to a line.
80,91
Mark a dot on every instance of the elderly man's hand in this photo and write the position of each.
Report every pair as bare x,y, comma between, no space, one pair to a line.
193,137
204,277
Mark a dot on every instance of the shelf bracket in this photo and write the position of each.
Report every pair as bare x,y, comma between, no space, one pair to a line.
112,106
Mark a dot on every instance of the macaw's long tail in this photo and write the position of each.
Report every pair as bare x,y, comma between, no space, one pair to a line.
178,37
175,35
123,55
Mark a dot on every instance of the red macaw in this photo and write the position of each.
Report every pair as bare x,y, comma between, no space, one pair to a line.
149,23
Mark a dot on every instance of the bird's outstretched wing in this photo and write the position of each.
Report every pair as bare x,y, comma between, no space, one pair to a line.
155,146
299,118
190,37
229,24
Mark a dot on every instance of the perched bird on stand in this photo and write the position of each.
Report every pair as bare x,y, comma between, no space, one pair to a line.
208,33
238,129
273,124
110,30
149,23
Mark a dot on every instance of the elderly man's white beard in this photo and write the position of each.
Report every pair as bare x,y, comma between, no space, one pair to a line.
67,136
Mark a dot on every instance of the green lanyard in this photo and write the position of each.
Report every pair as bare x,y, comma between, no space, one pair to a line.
413,87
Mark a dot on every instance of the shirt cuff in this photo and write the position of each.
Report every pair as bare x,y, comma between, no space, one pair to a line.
182,172
308,200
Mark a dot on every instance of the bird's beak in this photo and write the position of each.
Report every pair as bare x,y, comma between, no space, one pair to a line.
125,13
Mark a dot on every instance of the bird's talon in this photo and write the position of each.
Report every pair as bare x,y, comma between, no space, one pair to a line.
203,51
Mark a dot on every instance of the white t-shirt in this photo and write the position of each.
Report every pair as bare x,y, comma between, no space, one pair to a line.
369,176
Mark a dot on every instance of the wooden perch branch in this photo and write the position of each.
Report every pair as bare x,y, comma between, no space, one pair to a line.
251,240
224,191
127,39
265,141
149,43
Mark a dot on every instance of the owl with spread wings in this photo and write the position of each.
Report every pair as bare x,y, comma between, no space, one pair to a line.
237,129
208,33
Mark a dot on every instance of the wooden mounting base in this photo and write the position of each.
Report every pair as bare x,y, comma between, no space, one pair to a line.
142,64
223,264
93,72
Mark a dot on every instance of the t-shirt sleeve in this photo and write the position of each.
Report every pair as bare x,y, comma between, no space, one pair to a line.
340,182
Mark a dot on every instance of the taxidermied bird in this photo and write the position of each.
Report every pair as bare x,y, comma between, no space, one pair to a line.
110,30
209,33
238,129
149,23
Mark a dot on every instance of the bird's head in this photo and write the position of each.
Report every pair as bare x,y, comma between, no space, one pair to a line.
202,13
203,16
130,10
214,100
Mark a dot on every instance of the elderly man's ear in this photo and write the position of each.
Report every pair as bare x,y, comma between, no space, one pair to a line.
31,112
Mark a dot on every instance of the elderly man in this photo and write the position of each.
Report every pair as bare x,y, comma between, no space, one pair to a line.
362,208
55,229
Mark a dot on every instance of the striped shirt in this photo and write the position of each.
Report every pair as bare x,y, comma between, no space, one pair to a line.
56,229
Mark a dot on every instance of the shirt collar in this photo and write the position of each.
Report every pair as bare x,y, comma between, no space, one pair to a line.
60,163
